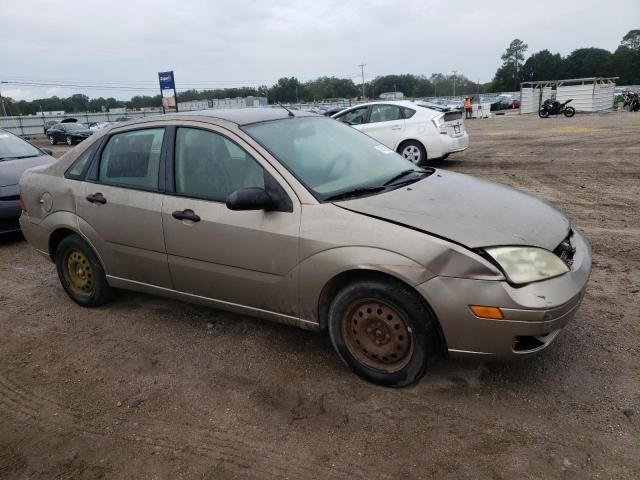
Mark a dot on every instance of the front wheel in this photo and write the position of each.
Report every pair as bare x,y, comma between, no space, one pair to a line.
543,113
52,140
69,141
413,151
81,273
569,112
383,332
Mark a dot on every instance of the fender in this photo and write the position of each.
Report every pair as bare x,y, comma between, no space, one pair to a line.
317,270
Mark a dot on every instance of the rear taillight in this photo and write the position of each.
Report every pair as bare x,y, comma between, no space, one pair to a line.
22,205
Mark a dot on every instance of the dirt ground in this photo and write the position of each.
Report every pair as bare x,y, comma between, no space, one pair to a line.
156,389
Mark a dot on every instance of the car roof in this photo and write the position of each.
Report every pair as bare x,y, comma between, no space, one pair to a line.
239,116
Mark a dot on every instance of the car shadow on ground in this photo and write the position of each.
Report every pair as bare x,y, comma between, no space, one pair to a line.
315,350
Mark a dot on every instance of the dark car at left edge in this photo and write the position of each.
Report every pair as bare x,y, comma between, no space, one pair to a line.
16,156
69,133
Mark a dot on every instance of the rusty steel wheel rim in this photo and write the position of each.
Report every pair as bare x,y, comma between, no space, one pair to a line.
377,335
78,273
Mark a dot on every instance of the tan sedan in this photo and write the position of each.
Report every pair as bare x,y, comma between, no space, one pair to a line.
303,220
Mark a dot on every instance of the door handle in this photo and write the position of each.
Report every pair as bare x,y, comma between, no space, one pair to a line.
96,198
186,215
396,128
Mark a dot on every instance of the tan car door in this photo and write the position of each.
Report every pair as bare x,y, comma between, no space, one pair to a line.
241,257
120,206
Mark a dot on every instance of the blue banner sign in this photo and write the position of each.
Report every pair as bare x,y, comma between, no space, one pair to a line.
166,80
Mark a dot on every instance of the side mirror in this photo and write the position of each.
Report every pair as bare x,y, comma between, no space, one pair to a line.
47,151
252,198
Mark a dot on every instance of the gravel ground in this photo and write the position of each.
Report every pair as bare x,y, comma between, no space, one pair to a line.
151,388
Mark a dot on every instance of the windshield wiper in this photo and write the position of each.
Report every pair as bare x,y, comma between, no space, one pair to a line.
354,193
16,158
404,173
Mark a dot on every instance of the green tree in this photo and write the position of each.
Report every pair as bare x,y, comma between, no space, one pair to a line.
588,62
323,88
631,40
287,90
509,75
543,65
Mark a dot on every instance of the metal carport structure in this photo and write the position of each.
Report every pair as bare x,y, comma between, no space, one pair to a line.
590,94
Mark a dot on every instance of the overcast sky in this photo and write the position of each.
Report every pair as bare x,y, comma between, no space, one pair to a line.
248,42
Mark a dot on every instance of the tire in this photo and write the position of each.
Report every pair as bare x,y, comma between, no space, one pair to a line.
395,336
543,113
81,273
569,112
69,141
52,140
413,151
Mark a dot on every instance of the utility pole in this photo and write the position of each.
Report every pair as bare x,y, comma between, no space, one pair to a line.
362,65
454,82
4,110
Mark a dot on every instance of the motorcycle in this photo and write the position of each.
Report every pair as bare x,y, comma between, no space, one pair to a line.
553,107
631,100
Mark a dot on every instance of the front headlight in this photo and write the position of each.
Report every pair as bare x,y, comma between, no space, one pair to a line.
527,264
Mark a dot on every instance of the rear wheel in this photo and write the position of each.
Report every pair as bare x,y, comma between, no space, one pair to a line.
569,112
81,273
413,151
52,140
69,141
383,332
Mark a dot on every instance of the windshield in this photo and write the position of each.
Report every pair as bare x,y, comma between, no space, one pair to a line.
74,126
12,147
328,157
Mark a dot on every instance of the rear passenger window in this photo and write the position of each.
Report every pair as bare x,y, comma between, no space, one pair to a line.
132,159
407,112
384,113
77,169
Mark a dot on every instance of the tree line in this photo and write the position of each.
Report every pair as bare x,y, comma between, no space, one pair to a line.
543,65
581,63
285,90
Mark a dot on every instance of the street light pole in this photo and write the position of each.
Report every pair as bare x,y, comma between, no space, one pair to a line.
362,65
454,82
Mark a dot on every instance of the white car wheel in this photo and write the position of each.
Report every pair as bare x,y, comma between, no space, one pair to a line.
69,141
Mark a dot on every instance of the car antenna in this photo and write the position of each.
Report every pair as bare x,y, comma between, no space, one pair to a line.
291,115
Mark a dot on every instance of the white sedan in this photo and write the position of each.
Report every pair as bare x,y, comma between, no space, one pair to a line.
417,131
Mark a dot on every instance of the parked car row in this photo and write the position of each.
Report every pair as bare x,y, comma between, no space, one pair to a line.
298,218
16,156
71,132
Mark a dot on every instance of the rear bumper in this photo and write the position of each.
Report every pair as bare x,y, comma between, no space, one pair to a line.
449,145
534,314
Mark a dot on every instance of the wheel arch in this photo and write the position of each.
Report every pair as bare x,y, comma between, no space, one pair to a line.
342,279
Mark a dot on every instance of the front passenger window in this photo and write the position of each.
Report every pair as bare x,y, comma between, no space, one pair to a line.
212,167
354,117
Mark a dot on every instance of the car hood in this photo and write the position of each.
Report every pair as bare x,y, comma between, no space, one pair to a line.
12,170
468,211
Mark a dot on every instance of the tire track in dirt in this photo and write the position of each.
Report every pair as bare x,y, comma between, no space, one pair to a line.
222,447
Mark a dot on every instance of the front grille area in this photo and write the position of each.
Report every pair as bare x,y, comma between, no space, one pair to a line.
10,198
566,250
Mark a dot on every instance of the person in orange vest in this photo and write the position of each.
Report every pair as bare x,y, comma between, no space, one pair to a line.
467,107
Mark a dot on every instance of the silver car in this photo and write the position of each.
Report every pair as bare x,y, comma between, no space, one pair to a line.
300,219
